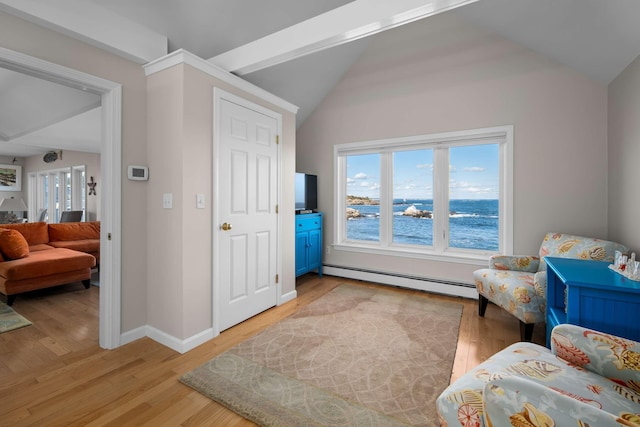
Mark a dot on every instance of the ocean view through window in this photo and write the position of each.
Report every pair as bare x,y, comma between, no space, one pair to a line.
444,194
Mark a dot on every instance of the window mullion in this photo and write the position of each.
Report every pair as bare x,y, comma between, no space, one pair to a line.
339,232
440,198
386,201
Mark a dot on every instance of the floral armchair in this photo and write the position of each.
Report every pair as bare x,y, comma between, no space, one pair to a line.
519,283
587,379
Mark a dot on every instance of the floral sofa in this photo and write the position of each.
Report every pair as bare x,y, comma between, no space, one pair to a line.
519,283
587,379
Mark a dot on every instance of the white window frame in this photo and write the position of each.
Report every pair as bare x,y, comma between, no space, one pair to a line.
36,193
502,135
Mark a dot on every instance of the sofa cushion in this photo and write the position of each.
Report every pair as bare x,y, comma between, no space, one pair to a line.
44,263
35,233
67,231
86,245
40,247
13,245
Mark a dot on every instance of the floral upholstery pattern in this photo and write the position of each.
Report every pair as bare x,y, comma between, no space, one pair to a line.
588,378
519,283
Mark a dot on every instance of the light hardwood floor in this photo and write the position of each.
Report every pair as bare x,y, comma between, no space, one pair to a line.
53,373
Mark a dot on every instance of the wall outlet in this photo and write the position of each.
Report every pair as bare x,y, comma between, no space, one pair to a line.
328,249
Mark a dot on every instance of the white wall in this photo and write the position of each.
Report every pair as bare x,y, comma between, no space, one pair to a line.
442,74
624,157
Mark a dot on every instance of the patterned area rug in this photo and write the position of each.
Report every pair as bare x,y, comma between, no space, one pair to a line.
356,356
10,320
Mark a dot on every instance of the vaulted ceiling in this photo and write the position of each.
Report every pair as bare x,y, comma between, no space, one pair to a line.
595,37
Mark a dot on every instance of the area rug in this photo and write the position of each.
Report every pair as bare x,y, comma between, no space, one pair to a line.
10,320
357,356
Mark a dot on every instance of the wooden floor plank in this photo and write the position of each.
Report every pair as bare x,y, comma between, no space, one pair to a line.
54,373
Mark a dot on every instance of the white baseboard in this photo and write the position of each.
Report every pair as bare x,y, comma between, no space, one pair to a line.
181,346
289,296
132,335
464,290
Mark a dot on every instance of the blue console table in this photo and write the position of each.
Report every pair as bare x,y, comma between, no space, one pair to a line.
309,243
596,297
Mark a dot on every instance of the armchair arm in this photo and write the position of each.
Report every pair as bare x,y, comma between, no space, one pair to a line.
526,263
511,401
607,355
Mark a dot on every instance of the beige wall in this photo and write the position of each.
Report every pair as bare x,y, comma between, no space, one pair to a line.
624,157
91,161
180,128
27,38
442,74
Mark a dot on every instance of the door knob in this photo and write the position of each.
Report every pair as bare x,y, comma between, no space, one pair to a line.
226,226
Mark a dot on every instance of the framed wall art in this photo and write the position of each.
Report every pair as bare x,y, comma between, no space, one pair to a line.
10,178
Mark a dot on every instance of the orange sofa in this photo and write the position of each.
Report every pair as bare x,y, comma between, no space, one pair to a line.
38,255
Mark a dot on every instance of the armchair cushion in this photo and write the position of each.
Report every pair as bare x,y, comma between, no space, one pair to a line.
530,380
526,263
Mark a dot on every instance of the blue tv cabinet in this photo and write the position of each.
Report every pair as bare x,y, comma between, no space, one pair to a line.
596,297
308,243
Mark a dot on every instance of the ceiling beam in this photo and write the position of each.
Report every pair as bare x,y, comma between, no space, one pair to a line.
92,24
360,18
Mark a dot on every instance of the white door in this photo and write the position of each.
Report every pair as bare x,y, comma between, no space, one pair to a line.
247,222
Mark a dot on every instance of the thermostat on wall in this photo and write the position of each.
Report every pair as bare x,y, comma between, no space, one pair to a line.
138,173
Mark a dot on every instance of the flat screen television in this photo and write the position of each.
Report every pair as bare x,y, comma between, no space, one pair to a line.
306,192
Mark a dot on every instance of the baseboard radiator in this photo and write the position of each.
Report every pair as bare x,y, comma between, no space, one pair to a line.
439,286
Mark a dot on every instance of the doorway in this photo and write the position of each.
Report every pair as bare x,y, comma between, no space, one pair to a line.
110,165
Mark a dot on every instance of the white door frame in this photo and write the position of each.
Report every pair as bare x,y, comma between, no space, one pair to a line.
218,96
110,164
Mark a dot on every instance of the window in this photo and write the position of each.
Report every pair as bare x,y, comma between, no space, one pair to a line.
57,190
443,196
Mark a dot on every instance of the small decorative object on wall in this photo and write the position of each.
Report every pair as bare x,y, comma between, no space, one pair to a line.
10,178
52,156
92,187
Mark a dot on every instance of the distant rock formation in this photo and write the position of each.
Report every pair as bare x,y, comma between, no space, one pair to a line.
416,213
353,213
361,200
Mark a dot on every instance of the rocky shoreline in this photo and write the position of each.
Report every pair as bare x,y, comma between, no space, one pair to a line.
411,211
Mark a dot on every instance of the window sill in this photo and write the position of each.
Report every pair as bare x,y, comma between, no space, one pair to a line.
459,256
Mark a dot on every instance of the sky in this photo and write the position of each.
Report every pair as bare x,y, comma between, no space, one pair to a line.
473,173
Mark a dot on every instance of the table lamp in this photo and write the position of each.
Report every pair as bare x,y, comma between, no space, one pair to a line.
11,206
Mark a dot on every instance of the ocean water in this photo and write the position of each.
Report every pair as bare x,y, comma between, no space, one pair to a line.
473,224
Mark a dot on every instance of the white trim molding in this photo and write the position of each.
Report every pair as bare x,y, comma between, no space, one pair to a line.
182,56
110,158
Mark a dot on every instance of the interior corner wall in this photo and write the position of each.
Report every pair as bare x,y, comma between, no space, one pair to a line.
91,161
180,121
165,98
442,74
30,39
623,156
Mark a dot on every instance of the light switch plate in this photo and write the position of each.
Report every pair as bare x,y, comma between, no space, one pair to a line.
167,200
199,201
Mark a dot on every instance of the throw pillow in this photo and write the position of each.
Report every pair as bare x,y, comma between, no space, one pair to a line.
13,245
